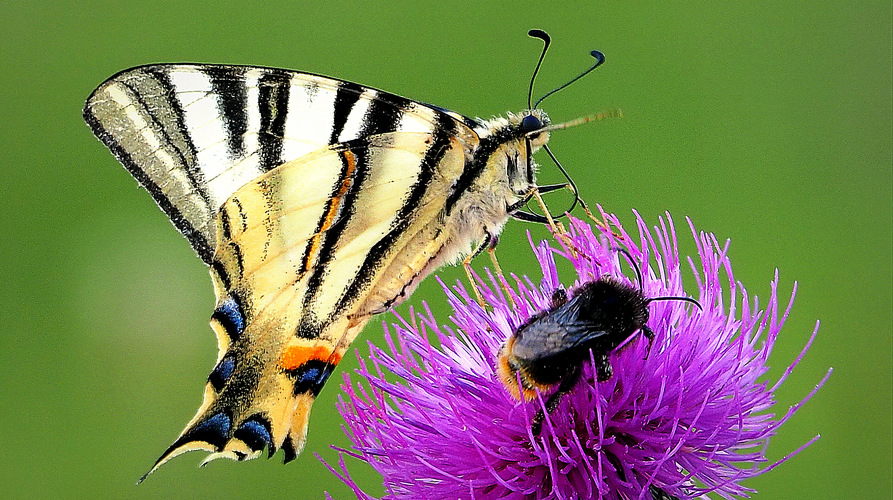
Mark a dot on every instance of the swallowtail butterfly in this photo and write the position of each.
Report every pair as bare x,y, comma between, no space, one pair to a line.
316,203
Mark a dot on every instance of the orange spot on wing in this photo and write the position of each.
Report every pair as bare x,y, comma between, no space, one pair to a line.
295,356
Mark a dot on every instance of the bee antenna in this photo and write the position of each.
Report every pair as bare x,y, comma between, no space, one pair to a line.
635,266
683,299
547,40
599,59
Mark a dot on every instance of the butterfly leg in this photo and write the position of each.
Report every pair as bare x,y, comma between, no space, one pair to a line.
501,277
487,244
556,227
600,223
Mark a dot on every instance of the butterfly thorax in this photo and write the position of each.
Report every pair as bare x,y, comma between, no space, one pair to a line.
499,173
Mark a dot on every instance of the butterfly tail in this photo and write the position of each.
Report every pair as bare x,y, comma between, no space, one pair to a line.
252,403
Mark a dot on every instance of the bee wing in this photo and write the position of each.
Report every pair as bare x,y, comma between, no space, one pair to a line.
557,332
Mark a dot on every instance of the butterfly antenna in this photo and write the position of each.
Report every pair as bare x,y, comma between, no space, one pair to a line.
599,59
547,40
570,181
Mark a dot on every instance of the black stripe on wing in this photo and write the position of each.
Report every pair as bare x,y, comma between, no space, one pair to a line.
232,99
196,238
273,105
381,117
355,171
178,136
346,98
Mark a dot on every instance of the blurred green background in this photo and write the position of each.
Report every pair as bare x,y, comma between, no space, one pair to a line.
768,123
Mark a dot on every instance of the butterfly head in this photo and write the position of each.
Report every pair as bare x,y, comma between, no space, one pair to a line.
513,140
534,127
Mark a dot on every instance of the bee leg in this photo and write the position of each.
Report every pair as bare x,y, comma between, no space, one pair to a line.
559,298
659,494
603,368
536,425
649,334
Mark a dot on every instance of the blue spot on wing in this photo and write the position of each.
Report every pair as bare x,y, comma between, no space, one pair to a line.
311,376
222,372
214,430
231,316
254,432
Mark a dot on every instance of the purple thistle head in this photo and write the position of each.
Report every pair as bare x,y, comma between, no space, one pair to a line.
688,416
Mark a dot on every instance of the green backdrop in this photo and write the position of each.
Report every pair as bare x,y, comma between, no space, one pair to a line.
766,122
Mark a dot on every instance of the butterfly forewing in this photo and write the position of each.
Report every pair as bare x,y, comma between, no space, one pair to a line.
193,134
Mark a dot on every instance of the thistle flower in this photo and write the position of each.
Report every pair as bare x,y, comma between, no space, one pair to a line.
687,417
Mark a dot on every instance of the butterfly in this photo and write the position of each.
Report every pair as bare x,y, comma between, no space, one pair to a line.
316,203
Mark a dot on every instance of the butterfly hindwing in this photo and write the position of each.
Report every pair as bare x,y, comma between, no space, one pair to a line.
291,272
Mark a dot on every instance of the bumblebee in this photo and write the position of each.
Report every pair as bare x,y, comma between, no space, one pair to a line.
548,351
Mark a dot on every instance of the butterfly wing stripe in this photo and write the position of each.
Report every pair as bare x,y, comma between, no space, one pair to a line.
387,116
347,94
273,105
346,209
379,117
179,139
359,250
230,91
346,180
